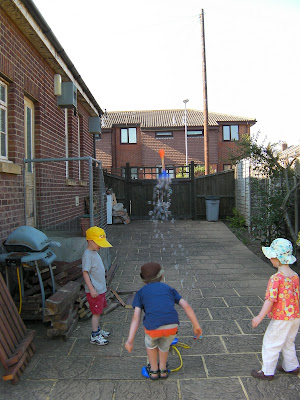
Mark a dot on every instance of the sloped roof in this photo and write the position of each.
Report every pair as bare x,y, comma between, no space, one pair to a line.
291,152
168,118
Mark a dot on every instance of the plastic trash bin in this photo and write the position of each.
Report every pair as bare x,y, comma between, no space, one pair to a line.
212,208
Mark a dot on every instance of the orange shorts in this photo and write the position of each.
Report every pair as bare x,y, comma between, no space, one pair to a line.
155,333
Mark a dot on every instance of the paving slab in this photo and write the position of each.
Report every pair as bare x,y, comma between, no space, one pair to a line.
212,389
223,281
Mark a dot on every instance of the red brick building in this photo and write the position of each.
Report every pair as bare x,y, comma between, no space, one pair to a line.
37,121
137,136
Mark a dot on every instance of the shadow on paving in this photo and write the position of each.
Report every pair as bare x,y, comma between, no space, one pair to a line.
223,281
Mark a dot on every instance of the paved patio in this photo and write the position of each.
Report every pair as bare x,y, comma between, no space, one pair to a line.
223,281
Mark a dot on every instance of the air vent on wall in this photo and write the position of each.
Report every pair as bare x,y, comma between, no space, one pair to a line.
68,98
95,125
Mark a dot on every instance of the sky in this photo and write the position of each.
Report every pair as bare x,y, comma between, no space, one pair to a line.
147,55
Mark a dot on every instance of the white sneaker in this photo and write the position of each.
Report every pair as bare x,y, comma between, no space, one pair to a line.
99,340
103,333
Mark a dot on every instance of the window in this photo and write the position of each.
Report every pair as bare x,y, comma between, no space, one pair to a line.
169,171
128,135
194,133
163,134
133,173
226,167
230,132
3,120
29,132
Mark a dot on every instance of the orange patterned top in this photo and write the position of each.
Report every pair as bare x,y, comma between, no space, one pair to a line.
284,293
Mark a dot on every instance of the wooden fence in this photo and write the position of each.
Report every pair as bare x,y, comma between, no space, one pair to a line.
187,198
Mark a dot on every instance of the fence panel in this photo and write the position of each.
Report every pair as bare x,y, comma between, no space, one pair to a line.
138,193
221,184
181,198
141,198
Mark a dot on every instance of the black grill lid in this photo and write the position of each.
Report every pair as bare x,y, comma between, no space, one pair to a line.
27,237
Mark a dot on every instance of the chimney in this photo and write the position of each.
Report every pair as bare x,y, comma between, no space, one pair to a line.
284,146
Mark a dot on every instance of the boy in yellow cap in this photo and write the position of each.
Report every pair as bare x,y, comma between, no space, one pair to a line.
95,284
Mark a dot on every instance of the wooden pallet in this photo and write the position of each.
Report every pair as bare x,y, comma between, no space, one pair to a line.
16,342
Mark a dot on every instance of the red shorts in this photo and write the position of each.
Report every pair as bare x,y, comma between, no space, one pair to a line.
97,304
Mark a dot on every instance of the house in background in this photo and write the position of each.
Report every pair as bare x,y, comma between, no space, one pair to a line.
41,120
135,137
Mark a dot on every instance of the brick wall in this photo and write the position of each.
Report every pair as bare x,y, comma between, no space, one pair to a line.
127,153
225,148
146,151
104,149
27,74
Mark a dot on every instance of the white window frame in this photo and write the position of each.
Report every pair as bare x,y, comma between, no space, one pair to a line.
4,133
230,139
29,130
195,133
128,133
164,135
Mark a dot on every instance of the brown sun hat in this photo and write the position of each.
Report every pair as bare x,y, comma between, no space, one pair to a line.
150,272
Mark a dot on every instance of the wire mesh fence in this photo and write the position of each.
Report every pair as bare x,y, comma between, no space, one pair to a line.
64,194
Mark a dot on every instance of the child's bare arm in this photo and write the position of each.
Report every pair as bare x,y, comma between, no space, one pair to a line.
268,304
133,328
191,315
89,284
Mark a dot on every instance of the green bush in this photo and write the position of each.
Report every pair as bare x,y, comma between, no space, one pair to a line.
237,221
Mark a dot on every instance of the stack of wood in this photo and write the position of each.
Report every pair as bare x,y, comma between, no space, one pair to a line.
32,301
61,310
68,304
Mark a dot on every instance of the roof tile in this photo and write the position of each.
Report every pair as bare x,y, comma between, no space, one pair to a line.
168,118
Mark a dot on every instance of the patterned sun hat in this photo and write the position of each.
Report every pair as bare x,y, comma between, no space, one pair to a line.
282,249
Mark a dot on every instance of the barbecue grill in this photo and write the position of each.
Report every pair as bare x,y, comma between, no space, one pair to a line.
29,247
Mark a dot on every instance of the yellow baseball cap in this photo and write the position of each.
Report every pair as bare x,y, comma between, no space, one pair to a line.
98,236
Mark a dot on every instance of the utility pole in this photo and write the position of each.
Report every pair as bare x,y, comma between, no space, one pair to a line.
205,106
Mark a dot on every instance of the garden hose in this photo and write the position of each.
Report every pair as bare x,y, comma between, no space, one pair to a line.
185,346
174,345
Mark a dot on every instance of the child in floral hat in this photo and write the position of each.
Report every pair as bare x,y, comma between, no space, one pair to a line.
282,306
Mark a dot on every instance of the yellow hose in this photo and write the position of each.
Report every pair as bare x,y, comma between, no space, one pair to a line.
185,346
20,292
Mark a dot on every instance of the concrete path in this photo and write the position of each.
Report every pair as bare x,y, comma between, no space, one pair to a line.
223,281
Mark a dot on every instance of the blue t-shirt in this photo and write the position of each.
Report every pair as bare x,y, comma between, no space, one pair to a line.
158,301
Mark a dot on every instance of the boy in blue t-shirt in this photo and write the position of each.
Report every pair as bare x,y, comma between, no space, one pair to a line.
161,319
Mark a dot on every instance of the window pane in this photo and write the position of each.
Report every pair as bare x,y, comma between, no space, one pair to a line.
226,132
134,174
2,93
124,138
132,135
193,133
2,120
3,145
28,136
234,132
164,134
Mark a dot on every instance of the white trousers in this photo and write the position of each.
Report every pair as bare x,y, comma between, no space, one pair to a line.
280,336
